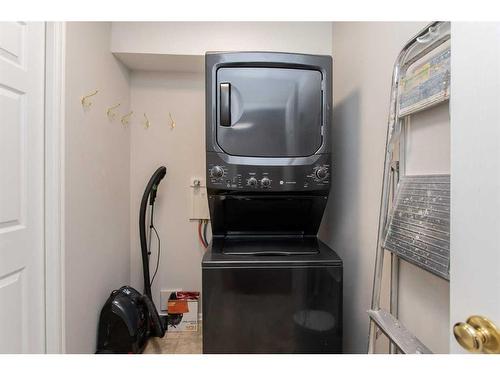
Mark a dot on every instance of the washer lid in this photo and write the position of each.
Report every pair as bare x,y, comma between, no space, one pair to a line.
216,258
274,246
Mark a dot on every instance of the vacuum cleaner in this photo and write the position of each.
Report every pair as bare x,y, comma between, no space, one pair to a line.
128,318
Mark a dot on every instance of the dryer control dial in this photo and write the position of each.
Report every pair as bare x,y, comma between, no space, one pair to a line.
321,173
217,171
265,182
252,181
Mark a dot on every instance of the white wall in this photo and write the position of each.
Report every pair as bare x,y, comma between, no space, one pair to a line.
196,38
364,55
97,198
182,151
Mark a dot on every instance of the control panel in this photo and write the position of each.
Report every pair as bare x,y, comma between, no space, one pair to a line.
243,177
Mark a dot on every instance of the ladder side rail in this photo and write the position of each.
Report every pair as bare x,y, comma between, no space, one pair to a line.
394,303
384,202
393,130
394,295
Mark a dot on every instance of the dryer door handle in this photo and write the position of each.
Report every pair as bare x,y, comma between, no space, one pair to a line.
225,104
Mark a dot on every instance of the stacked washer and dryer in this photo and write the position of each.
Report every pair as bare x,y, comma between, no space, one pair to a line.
269,284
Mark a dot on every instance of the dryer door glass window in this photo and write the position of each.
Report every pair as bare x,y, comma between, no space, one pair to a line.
269,112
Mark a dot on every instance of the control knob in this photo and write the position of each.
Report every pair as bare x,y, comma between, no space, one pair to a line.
321,173
265,182
217,172
252,181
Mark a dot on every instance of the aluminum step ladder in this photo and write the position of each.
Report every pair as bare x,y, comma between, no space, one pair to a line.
414,219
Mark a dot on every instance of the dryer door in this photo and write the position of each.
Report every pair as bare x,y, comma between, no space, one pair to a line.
269,112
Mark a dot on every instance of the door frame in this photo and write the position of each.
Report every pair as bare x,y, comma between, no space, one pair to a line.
55,54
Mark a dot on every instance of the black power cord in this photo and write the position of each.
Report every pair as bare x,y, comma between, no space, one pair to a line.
151,229
158,258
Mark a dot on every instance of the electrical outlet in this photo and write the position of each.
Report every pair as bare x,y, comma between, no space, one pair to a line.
199,200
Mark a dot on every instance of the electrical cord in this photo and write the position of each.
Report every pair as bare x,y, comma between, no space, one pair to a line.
200,236
158,258
151,229
205,225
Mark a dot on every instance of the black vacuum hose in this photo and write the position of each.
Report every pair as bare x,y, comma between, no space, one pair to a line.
157,328
149,193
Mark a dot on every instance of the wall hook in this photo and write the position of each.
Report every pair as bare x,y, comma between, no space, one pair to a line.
147,123
172,122
126,118
111,113
86,103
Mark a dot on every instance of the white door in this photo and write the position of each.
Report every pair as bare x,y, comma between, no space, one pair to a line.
22,308
475,173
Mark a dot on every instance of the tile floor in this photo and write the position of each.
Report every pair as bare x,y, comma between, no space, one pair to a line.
176,343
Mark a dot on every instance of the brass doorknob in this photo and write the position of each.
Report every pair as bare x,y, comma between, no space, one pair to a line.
478,335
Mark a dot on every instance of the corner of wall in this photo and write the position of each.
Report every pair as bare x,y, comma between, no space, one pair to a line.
97,169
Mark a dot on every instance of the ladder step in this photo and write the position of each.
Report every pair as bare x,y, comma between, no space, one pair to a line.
397,333
419,223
